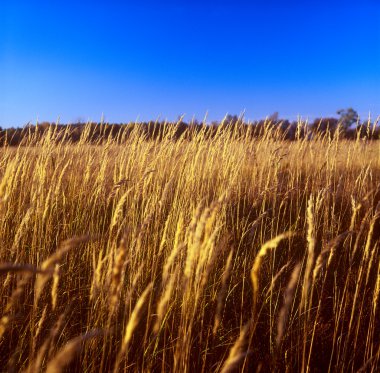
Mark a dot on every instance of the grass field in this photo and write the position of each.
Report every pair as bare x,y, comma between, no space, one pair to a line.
198,254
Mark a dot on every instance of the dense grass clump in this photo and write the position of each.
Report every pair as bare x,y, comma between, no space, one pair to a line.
221,253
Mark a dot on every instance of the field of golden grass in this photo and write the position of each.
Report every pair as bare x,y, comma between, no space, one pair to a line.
201,253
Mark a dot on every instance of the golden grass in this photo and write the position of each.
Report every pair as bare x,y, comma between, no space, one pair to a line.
200,253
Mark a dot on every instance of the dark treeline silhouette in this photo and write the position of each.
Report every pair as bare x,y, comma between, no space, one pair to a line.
348,127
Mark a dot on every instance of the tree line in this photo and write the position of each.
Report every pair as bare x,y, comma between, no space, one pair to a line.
347,125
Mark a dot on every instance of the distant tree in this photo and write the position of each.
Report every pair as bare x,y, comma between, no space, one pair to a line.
347,117
231,119
324,124
274,117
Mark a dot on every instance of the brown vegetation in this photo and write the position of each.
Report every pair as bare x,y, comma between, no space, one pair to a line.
191,252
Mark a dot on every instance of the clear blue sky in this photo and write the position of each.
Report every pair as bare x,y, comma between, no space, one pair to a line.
144,59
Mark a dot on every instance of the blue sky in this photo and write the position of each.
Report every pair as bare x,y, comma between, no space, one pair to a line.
145,59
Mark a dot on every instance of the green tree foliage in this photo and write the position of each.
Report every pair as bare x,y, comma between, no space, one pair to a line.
347,117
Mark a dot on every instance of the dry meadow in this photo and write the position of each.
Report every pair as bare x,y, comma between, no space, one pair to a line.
201,253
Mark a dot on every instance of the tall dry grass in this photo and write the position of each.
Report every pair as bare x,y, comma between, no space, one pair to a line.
204,253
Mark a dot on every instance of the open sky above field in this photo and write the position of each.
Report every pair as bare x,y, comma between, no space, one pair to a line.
144,59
